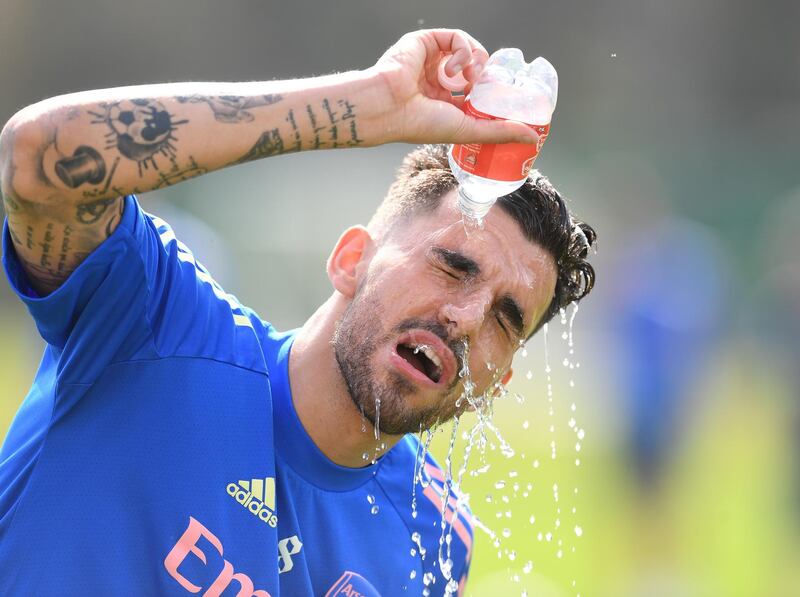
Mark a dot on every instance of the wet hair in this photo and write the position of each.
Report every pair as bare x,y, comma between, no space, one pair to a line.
539,209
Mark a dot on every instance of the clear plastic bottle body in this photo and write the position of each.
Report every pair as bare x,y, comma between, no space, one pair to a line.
477,194
508,88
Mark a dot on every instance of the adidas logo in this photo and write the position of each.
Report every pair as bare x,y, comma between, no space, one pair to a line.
258,496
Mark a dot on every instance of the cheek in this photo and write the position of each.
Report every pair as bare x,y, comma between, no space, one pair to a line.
486,357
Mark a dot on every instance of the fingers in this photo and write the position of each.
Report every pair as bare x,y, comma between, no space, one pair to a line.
461,69
475,130
454,42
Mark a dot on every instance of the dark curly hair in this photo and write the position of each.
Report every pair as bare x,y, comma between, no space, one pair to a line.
539,209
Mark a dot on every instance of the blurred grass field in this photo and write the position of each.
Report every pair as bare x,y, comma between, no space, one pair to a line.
723,523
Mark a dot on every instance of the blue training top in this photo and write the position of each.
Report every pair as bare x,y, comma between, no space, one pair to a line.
158,451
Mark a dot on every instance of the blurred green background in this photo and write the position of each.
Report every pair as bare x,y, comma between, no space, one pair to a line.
676,137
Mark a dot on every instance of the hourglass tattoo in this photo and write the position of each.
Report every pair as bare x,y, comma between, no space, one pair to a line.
140,129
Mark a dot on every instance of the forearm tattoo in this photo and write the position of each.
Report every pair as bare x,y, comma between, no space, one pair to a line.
232,108
331,125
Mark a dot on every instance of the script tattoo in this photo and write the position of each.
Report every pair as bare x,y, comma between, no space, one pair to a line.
140,129
330,125
178,174
333,124
46,244
298,145
232,108
91,212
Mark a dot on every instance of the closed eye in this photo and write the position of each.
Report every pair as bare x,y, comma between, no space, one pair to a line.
449,273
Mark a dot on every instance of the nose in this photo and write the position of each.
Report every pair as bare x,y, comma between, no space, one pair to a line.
464,318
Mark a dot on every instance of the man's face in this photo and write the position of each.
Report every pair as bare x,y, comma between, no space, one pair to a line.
428,288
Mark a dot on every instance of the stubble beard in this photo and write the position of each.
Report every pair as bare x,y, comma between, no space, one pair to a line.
358,335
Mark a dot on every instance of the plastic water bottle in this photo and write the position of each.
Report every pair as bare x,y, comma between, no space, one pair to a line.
507,89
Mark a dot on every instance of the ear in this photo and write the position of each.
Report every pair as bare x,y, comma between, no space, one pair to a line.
353,247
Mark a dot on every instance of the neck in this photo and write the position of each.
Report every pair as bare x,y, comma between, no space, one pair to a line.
320,395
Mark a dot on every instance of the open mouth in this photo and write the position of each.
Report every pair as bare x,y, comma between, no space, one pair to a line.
423,359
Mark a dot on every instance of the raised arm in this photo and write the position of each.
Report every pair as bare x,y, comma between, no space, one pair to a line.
66,162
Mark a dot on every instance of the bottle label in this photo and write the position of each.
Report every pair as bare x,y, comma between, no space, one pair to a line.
506,161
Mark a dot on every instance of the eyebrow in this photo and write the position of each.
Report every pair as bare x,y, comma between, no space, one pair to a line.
457,261
512,312
507,305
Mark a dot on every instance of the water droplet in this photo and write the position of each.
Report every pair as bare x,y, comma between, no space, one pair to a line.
500,484
370,498
512,474
571,423
532,519
512,555
535,464
506,533
413,552
377,418
525,424
374,509
578,447
413,574
559,554
581,434
529,374
578,531
527,567
548,536
365,456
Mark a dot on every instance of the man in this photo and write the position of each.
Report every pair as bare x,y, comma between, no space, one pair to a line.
169,444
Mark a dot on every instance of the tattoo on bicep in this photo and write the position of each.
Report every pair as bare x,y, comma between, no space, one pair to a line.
43,275
232,108
91,212
14,238
46,244
140,129
66,245
117,217
10,204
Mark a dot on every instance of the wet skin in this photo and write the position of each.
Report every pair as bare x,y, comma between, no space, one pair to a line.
434,282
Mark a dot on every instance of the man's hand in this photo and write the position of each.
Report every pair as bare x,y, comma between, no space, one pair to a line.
423,110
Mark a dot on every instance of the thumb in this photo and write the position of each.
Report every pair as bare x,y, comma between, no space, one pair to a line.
478,130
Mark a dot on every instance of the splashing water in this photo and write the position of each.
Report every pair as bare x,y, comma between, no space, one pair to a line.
484,436
377,419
